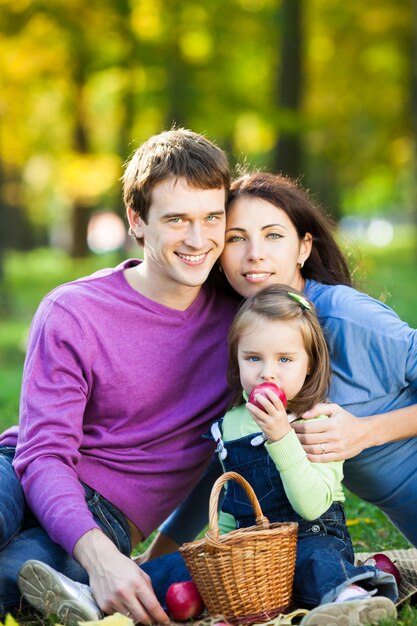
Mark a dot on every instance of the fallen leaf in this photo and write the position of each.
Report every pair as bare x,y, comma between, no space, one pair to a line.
117,619
365,520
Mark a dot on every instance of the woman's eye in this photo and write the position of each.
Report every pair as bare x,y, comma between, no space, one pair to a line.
234,239
274,236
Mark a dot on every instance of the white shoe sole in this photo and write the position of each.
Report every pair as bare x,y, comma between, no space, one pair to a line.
42,587
352,613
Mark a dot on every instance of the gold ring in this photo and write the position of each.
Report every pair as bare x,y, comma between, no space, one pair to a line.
127,613
323,451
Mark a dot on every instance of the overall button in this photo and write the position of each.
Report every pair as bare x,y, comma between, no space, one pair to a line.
315,528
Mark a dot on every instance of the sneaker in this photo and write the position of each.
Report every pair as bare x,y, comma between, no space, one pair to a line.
353,613
50,592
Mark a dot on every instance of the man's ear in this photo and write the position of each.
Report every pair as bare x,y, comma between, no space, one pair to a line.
306,244
135,222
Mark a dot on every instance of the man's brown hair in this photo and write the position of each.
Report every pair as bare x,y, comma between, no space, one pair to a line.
177,153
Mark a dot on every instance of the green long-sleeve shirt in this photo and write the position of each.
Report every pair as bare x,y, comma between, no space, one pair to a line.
310,487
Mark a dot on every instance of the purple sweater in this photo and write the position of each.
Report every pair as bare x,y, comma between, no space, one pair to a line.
117,392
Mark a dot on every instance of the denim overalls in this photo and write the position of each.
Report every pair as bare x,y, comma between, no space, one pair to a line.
324,563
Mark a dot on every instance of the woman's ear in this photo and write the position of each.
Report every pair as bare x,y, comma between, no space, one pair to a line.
135,223
306,243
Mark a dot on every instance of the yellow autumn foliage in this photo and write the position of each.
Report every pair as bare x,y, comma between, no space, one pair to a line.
117,619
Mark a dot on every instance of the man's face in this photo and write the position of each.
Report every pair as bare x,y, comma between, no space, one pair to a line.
184,235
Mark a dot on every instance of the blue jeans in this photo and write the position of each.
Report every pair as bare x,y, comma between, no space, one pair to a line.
22,538
386,477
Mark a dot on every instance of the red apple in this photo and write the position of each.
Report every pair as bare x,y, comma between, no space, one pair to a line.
261,390
184,601
384,563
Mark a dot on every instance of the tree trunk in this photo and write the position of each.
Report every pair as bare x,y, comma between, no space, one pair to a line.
80,210
413,102
288,152
177,81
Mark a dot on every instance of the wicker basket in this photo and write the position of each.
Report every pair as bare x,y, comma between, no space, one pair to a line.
247,574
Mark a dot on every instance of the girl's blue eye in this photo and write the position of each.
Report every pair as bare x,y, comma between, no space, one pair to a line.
284,359
253,359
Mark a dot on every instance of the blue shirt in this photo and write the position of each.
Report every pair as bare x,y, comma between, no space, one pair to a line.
373,353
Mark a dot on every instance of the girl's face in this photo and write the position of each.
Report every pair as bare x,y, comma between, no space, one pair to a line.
273,351
262,247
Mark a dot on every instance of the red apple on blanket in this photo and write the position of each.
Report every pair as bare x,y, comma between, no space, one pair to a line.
183,601
384,563
261,390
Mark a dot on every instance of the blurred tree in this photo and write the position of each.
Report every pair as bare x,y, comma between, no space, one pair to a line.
309,86
413,101
288,152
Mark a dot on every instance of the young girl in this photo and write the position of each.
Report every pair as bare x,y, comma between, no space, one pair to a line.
276,338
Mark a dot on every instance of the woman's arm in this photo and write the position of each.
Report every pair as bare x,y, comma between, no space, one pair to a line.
344,435
373,356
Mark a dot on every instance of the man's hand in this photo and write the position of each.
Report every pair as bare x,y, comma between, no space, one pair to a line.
116,582
273,421
336,439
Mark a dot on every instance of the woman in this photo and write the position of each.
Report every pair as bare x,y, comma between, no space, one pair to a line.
275,233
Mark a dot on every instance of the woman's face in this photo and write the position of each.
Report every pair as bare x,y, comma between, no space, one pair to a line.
262,247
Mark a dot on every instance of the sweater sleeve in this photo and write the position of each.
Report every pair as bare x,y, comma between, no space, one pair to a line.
54,394
310,487
373,353
226,522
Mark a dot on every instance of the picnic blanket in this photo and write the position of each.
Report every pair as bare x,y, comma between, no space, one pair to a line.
406,561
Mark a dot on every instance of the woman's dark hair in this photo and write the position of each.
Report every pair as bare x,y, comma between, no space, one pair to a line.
326,263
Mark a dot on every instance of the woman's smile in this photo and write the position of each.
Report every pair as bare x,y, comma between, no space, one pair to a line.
262,247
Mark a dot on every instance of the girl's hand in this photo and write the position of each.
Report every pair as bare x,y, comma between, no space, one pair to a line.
273,421
341,437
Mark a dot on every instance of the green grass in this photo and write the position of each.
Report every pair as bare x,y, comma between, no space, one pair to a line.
390,273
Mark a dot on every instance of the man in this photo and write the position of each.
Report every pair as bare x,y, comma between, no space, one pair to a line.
125,370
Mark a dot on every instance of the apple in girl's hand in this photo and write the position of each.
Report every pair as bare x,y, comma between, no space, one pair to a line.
184,601
384,563
261,389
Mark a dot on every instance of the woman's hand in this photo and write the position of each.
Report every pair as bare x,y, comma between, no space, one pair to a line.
341,437
273,421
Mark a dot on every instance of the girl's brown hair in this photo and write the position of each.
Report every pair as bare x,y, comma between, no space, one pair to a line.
275,304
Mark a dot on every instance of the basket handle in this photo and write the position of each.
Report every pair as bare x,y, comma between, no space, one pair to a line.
261,520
